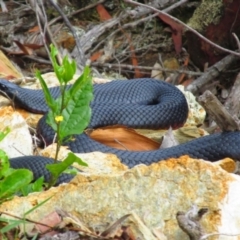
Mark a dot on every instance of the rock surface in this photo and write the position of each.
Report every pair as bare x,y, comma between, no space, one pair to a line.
155,193
98,162
18,141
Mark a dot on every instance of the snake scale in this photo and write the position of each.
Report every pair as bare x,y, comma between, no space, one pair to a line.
138,103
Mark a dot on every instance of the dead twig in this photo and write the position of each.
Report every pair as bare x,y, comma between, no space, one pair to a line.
131,67
211,73
175,5
218,234
232,103
76,12
237,41
26,219
142,10
217,111
88,39
42,20
81,60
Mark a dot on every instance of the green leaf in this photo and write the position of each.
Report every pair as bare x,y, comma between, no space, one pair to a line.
13,182
57,169
4,164
72,171
57,69
48,97
69,69
76,111
50,119
77,114
84,79
11,224
4,133
36,186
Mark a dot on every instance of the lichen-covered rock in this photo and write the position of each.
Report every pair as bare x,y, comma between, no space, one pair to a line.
155,193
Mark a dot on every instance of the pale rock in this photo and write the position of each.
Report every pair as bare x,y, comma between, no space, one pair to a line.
30,118
4,101
155,193
98,162
181,135
18,141
197,114
52,81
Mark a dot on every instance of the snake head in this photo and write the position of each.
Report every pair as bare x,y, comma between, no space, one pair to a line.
5,85
8,88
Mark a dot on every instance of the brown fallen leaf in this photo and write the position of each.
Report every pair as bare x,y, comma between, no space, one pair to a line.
123,138
176,29
52,220
7,69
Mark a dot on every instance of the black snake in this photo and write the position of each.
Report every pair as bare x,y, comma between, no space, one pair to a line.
138,103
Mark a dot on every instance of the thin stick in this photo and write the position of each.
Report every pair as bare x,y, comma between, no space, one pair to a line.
76,12
81,55
131,67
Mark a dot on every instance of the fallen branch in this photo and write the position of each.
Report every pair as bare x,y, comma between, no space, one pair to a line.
217,111
211,73
232,103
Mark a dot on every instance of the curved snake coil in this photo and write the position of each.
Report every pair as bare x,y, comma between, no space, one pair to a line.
139,103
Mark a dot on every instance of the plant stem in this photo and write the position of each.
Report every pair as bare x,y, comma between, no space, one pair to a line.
59,142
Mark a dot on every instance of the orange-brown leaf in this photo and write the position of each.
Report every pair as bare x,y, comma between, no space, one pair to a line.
176,31
123,138
103,13
7,70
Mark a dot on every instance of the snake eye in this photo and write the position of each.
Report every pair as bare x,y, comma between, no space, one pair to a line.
6,85
2,87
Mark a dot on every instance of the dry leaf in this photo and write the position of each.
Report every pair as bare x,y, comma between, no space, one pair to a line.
123,138
7,70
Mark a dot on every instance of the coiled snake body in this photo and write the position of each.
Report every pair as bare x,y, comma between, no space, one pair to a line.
139,103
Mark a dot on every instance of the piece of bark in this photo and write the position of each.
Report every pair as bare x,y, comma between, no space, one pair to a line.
232,103
88,39
217,111
211,73
189,222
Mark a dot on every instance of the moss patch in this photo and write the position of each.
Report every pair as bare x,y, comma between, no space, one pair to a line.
210,11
